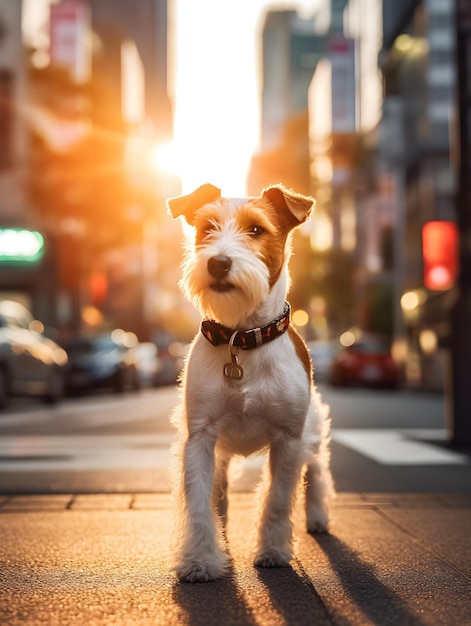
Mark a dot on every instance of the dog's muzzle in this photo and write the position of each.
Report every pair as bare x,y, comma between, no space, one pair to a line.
219,267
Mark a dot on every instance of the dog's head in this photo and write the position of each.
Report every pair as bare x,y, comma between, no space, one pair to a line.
240,248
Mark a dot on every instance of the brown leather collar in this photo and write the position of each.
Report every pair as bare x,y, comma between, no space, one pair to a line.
218,334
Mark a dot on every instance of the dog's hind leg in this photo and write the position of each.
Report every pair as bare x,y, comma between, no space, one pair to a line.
275,544
318,481
319,493
200,558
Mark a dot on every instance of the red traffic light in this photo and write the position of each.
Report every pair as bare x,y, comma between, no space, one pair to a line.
98,287
440,254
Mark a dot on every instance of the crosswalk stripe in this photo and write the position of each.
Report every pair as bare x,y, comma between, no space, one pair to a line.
84,452
96,410
91,452
400,447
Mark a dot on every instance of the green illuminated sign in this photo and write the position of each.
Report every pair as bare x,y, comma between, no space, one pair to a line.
18,245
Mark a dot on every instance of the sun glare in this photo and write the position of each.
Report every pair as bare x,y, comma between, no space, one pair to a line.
166,158
217,88
216,114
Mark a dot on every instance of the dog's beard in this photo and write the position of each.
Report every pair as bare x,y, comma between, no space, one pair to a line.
247,287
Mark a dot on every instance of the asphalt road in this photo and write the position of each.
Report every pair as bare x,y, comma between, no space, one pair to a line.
382,442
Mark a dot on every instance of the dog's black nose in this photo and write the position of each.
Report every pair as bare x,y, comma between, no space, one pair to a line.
219,266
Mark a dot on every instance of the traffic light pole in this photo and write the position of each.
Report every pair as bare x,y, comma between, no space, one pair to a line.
459,391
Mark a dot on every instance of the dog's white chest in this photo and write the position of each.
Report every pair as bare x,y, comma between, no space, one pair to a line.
246,414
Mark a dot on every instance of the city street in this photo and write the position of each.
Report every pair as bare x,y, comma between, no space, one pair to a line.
165,162
87,535
382,442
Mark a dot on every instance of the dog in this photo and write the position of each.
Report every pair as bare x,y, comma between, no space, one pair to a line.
247,384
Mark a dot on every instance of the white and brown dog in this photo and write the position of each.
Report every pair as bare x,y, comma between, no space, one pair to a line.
247,384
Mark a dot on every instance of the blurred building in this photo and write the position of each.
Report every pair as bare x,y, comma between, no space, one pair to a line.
321,97
12,93
130,72
145,23
416,146
370,101
24,261
83,105
371,187
291,51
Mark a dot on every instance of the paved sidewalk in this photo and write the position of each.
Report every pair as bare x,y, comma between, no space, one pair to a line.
402,560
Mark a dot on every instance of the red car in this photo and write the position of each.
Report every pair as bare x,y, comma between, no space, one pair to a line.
368,362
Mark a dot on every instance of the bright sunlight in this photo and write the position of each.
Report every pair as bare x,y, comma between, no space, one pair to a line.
216,115
217,88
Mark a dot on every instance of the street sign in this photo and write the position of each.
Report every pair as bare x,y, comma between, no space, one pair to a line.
69,31
342,59
19,245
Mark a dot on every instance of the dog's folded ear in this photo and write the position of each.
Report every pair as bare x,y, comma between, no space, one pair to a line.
187,205
282,198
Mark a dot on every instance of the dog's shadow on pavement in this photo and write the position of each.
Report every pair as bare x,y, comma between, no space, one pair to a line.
214,603
284,593
361,584
293,597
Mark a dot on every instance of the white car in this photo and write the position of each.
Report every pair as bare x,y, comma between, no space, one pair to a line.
147,363
30,363
322,353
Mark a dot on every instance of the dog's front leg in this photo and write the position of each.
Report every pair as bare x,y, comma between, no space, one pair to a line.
200,558
220,485
275,546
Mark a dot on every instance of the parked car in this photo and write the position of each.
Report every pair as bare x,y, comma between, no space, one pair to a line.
31,364
322,352
147,363
367,361
102,361
172,354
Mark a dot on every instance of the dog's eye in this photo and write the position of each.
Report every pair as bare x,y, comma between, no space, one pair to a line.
256,230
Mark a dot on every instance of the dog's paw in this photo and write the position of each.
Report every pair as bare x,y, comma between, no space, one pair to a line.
317,521
204,570
272,558
196,573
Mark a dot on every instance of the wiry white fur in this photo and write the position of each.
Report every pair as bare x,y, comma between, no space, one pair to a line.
274,407
248,273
